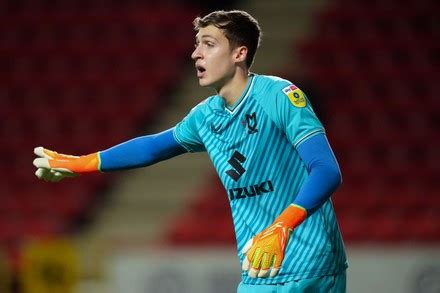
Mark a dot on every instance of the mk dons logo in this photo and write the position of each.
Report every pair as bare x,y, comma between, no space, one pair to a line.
251,122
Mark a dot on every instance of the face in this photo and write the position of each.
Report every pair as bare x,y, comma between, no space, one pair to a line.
214,59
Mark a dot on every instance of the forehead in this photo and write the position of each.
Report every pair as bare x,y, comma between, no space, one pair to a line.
210,31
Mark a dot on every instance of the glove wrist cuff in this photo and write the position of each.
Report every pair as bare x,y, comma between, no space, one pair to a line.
292,216
82,164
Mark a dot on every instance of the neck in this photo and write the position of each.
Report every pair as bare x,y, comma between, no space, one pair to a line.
232,90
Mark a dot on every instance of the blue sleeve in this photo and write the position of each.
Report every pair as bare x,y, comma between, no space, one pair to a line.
141,151
324,173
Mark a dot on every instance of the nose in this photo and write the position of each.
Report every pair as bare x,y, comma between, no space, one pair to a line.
196,54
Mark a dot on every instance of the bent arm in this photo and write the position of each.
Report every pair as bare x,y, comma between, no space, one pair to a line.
324,173
324,178
140,152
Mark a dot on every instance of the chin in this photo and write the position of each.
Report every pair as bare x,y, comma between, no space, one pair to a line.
210,82
204,83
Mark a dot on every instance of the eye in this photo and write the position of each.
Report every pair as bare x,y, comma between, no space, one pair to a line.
208,44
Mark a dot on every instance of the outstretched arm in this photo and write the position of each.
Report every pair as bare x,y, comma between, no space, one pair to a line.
138,152
266,250
141,151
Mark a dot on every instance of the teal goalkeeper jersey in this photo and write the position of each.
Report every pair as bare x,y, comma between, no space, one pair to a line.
253,148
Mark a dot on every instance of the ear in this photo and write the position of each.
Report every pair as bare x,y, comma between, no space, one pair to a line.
240,54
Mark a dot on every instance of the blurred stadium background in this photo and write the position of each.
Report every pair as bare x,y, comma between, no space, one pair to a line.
81,76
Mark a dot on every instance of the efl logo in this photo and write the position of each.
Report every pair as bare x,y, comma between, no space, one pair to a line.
295,95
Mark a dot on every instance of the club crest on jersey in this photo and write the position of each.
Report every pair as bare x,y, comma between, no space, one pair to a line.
251,122
295,95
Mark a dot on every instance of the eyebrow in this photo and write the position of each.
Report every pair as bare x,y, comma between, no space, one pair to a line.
206,36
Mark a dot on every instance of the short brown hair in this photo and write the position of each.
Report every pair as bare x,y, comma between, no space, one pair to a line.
239,27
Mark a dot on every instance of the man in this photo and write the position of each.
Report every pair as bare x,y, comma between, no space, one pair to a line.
270,152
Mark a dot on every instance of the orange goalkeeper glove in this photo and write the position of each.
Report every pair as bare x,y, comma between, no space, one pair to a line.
54,167
265,252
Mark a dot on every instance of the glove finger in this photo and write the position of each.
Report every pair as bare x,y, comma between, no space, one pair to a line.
263,273
58,176
46,175
49,154
40,173
61,170
250,259
278,259
253,273
43,174
266,261
41,163
276,265
245,266
50,176
46,164
247,246
256,259
274,272
265,266
39,151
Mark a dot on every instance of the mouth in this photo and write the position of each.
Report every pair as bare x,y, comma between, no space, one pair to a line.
200,70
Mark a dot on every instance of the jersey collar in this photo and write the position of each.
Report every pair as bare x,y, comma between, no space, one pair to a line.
231,109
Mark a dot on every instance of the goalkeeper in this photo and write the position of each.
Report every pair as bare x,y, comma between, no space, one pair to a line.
269,150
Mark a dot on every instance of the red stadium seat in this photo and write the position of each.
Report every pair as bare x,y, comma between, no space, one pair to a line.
78,77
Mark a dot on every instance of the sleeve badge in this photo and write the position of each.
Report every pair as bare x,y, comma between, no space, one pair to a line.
295,95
